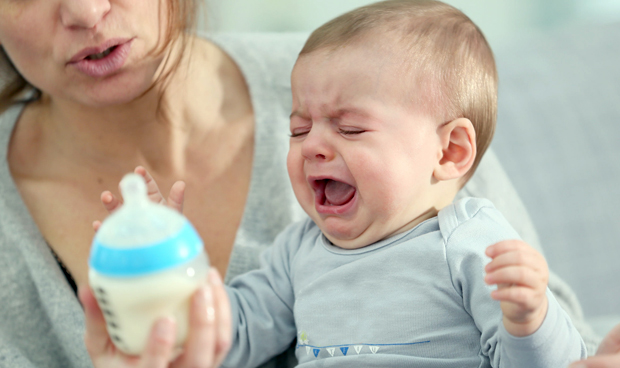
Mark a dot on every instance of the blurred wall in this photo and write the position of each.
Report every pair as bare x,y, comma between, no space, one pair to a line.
498,19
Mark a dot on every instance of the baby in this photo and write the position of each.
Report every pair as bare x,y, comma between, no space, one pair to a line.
394,105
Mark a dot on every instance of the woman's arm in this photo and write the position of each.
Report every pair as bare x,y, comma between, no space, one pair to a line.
607,355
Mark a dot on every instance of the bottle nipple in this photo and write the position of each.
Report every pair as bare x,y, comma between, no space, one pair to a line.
134,190
142,237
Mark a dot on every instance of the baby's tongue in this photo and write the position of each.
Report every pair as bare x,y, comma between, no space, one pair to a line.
338,193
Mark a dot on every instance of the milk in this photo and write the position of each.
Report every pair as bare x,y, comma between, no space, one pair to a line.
146,262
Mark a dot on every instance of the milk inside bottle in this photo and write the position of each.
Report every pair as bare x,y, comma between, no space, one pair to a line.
146,261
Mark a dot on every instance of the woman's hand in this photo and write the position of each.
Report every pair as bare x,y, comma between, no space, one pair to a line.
607,355
207,342
210,325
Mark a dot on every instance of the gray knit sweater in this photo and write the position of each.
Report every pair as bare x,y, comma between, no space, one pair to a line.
41,321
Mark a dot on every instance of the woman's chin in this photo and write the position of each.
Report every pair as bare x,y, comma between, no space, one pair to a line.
108,100
112,94
119,89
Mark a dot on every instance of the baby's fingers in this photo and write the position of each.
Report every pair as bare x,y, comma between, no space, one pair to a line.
514,294
531,259
110,202
177,196
506,246
517,275
151,186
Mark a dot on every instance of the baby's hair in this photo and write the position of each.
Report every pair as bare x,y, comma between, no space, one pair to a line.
444,52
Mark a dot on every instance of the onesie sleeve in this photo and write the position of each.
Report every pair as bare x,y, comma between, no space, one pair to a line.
468,227
262,304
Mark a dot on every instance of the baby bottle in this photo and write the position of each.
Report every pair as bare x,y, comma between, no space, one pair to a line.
145,263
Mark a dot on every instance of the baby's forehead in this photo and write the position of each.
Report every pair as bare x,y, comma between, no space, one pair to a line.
389,60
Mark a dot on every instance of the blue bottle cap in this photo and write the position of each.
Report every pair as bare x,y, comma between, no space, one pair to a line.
145,259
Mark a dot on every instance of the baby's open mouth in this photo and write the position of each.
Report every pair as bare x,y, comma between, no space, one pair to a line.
332,192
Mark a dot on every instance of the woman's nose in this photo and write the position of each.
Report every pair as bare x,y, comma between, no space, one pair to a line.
316,146
83,13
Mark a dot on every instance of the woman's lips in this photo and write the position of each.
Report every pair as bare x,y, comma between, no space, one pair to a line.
105,66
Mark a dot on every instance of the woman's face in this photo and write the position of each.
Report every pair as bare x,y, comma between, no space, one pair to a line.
92,52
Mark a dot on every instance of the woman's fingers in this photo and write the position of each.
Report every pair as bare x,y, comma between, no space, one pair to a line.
201,338
224,317
210,332
96,337
607,361
160,346
611,343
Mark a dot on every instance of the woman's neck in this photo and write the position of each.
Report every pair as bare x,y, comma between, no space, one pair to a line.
155,129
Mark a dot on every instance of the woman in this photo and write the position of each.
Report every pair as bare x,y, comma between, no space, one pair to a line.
607,355
122,83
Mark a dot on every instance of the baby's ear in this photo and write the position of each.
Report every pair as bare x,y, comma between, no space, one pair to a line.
458,149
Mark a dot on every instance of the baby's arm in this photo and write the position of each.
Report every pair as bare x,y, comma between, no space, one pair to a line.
521,274
262,303
553,341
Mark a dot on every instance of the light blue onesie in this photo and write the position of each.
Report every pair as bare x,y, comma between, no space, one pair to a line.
417,299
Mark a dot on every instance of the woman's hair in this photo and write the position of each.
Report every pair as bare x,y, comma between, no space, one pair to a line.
181,24
447,58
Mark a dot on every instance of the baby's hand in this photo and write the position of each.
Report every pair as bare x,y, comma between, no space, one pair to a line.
521,275
175,198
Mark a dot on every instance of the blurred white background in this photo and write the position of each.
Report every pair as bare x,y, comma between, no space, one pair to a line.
500,20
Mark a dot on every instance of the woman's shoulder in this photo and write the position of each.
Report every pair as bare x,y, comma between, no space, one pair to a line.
269,46
269,56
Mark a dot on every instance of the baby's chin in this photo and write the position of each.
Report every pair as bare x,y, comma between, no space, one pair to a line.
348,244
357,240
